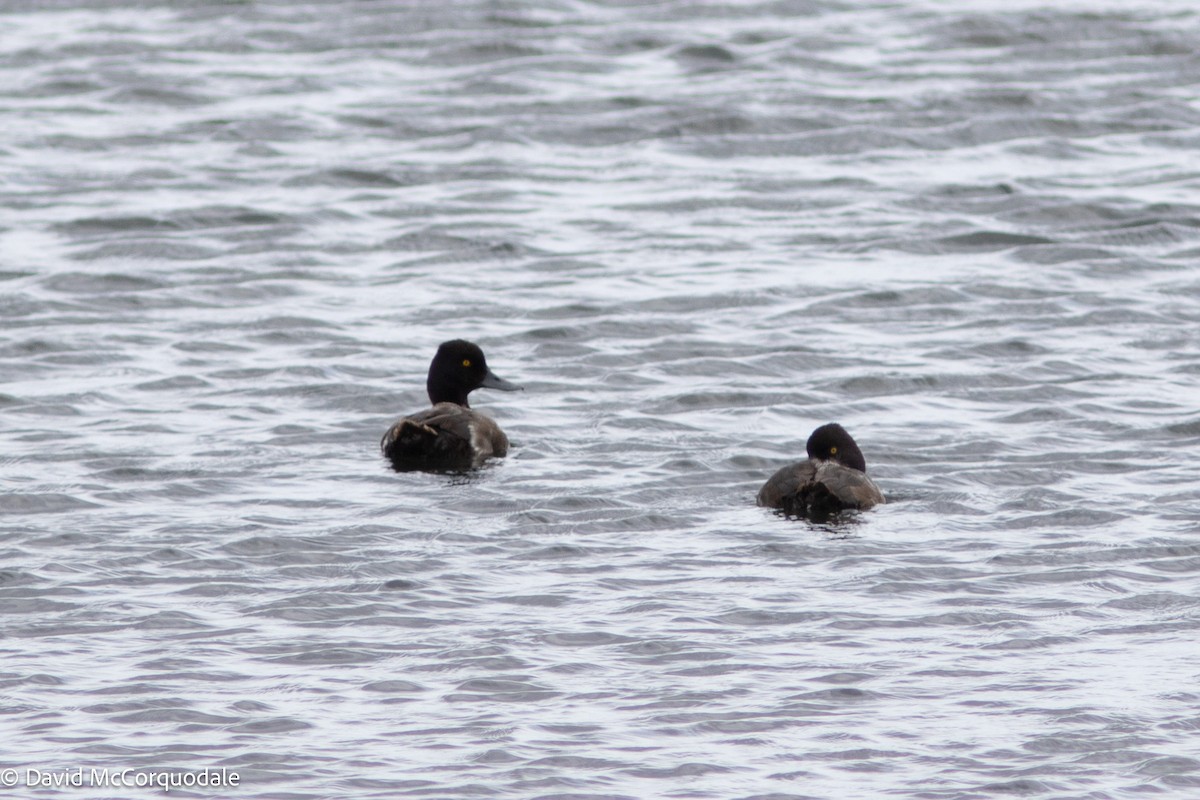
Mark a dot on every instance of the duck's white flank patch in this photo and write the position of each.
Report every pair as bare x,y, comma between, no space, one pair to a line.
479,444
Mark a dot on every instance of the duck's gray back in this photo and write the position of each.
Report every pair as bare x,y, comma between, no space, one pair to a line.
848,485
786,483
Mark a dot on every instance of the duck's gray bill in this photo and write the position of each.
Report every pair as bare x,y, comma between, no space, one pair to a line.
494,381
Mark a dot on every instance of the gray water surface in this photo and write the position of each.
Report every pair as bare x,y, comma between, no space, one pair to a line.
235,233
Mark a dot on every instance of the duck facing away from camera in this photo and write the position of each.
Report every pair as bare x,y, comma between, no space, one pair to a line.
450,435
834,478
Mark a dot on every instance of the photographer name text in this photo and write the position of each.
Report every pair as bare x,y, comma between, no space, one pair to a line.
118,778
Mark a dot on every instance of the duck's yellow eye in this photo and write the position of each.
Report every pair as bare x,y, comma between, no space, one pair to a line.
466,362
833,451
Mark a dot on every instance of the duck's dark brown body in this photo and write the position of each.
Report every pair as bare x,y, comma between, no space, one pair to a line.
834,478
815,488
446,436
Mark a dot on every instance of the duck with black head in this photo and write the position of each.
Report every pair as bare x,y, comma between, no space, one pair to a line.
451,435
833,479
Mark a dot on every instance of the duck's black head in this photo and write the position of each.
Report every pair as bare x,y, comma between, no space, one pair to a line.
458,369
831,443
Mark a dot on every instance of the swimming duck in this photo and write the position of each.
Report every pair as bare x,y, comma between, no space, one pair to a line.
450,435
832,479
